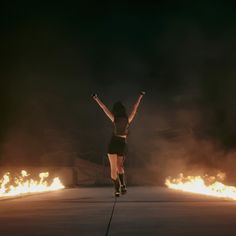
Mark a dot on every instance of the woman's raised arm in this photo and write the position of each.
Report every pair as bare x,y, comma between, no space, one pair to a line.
103,106
135,108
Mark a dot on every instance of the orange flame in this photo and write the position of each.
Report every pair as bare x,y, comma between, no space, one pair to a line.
207,185
23,184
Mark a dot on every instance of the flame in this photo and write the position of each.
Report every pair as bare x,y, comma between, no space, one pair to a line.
206,185
24,184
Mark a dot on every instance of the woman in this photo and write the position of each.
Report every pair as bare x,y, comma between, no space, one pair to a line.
118,144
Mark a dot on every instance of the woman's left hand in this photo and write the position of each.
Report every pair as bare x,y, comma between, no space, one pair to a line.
94,96
142,93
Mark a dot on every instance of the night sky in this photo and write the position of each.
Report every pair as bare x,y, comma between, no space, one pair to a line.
55,55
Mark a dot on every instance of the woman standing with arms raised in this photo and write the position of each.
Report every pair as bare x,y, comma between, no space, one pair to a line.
118,144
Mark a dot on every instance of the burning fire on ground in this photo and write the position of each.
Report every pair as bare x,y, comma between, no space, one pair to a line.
206,185
23,184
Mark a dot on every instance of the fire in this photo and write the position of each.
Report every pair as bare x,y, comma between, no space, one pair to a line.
24,184
207,185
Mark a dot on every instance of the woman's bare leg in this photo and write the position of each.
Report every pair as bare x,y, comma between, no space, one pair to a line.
120,165
114,175
113,165
121,173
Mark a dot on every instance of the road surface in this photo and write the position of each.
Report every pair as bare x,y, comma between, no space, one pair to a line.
143,211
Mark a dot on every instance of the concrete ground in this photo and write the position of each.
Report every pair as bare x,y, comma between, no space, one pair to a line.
143,211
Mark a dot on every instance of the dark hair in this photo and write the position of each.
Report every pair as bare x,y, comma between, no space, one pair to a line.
119,110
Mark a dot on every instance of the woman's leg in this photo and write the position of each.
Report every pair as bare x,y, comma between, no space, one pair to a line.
113,165
121,173
114,175
120,165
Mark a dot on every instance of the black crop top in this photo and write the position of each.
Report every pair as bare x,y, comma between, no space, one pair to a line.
121,126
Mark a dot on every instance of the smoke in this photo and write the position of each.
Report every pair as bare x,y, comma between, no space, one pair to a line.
178,141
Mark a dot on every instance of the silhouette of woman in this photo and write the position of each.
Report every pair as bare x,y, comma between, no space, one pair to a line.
117,147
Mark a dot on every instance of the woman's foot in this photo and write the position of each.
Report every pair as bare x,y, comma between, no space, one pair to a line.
117,187
122,182
123,189
117,194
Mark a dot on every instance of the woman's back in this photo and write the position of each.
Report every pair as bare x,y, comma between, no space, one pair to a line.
121,126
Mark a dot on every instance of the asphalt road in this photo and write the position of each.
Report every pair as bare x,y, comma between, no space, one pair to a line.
143,211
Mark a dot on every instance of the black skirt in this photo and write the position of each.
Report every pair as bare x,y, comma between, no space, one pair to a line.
117,145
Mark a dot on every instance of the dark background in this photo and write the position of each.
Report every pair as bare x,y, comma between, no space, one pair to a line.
55,55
